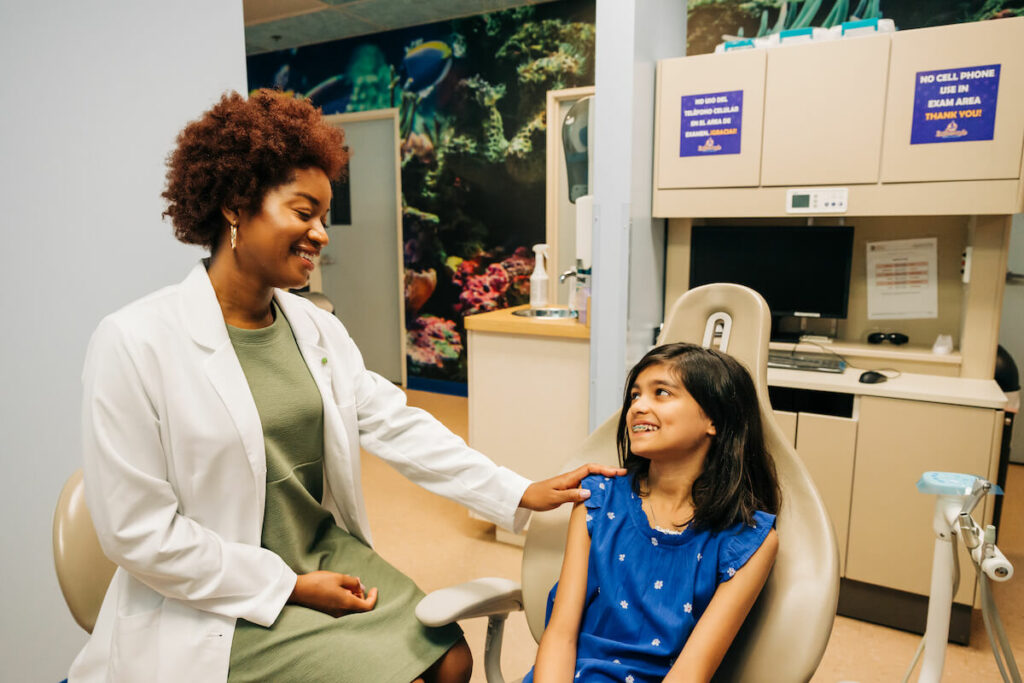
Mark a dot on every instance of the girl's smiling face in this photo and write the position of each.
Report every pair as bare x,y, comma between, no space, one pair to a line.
280,243
663,419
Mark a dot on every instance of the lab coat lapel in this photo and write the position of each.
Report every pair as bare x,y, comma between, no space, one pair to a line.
206,325
340,463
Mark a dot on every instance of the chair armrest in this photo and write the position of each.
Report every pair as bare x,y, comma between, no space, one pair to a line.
478,598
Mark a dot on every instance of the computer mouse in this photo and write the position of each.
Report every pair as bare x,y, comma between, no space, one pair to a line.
872,377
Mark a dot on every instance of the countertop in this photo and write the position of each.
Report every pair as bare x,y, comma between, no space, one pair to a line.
980,393
504,322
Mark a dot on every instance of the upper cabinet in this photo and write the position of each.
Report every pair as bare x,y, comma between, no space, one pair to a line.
823,108
709,113
956,103
922,122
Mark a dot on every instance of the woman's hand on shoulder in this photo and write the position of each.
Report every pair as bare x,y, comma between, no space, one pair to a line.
332,593
550,493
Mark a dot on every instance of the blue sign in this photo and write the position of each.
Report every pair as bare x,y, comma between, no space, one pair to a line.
712,124
955,105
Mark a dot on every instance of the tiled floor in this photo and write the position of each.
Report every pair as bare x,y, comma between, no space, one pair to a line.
436,543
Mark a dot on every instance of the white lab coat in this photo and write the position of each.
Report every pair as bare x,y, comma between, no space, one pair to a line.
175,477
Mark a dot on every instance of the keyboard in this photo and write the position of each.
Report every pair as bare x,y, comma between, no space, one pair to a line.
814,362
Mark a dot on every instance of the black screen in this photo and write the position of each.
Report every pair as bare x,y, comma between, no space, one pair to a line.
798,270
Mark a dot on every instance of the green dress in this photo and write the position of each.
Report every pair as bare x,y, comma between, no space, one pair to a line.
384,645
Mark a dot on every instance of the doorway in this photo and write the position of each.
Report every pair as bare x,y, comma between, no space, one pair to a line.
361,268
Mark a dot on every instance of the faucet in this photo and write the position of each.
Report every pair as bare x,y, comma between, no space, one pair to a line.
581,281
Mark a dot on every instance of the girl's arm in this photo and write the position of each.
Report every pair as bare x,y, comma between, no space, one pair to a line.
720,622
556,656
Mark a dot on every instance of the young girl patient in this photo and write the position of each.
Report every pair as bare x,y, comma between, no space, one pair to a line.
662,566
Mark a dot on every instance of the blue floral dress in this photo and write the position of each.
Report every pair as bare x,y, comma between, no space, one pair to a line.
646,588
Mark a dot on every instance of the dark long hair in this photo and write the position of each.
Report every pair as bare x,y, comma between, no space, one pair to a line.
739,474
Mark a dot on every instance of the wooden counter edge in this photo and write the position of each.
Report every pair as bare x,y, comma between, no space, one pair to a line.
502,321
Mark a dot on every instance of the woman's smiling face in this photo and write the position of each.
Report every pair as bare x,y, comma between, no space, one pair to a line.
279,244
663,418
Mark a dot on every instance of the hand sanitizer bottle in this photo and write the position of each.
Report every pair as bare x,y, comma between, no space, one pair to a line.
539,278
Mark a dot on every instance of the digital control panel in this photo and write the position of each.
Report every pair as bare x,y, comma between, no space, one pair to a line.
817,200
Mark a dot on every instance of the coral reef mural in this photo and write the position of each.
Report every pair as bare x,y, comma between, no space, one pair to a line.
471,94
710,22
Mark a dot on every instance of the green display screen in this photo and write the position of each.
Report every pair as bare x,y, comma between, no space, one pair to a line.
801,201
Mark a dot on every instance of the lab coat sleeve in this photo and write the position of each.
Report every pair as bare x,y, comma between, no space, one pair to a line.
428,453
135,509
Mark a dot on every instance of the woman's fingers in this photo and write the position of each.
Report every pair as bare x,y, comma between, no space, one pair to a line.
564,488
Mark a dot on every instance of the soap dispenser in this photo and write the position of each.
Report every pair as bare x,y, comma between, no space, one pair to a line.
539,278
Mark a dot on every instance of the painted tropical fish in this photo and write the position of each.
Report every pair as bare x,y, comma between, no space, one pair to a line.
332,94
424,66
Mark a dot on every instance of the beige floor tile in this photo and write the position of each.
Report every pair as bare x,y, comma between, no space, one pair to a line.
436,543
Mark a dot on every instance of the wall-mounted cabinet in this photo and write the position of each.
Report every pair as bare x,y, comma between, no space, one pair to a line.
823,110
980,68
922,122
710,101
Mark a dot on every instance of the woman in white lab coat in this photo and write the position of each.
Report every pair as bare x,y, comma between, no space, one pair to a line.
222,422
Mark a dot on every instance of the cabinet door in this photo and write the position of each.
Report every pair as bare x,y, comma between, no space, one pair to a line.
709,116
949,52
528,405
891,537
826,445
787,423
823,110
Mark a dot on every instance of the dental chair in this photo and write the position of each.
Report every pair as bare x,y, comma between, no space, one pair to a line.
83,571
785,634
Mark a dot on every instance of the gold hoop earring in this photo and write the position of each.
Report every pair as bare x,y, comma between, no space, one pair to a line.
234,235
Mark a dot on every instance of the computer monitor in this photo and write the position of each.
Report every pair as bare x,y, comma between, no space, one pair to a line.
801,271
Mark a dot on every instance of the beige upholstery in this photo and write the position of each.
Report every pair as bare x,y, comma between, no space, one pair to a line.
83,571
785,634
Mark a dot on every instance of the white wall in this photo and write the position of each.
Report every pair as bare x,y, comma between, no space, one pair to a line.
93,95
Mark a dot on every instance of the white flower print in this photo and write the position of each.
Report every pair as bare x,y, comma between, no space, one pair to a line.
577,674
656,642
622,558
624,604
611,515
590,518
615,661
731,572
600,486
688,608
658,585
698,557
654,541
629,679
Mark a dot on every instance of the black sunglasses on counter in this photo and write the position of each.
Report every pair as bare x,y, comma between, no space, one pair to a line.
891,337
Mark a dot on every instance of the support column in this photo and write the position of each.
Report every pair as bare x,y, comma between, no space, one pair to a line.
629,245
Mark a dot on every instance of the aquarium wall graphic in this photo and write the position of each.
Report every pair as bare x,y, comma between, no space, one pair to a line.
710,22
471,93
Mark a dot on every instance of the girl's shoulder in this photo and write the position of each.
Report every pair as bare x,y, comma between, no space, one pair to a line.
605,490
739,542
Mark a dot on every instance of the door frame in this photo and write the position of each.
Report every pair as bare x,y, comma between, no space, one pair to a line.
339,120
555,176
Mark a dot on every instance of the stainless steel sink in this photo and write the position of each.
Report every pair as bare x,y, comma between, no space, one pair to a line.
547,313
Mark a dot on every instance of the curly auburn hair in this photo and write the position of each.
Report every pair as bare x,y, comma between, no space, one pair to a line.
237,152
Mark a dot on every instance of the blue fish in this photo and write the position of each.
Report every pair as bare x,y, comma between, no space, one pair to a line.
424,66
332,94
281,77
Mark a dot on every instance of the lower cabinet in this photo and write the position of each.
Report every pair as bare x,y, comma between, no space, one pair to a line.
866,466
891,537
826,444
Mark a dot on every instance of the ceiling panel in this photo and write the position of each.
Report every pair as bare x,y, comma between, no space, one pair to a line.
262,11
306,29
283,24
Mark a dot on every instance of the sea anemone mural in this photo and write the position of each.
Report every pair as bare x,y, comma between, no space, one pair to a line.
710,22
471,99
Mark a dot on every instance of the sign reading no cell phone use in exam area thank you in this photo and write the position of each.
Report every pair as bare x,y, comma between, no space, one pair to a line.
955,105
711,124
